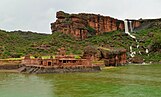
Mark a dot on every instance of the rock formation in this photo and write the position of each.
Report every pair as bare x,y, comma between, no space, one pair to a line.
111,56
84,25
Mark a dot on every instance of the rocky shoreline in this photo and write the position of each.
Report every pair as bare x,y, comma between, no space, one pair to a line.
43,70
9,67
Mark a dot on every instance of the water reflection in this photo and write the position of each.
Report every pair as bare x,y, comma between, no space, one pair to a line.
20,85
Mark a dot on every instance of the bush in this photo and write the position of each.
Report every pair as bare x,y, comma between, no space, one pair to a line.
16,55
91,31
156,44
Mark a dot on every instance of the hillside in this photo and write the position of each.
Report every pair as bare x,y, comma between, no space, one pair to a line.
18,43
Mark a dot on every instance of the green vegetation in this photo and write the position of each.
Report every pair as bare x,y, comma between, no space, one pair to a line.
91,31
14,59
151,39
16,44
77,57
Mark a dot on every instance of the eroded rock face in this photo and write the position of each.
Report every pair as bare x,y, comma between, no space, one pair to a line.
83,25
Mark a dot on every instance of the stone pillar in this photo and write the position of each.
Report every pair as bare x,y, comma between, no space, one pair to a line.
116,61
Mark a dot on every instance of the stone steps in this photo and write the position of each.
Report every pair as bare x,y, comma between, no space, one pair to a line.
22,69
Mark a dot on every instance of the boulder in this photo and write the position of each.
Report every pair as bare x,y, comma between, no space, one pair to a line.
150,34
137,60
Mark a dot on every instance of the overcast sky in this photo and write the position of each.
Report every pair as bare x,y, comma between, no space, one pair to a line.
36,15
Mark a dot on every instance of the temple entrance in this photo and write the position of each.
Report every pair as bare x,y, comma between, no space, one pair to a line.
41,62
49,64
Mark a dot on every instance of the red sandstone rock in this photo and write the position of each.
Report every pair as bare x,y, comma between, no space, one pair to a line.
82,24
61,14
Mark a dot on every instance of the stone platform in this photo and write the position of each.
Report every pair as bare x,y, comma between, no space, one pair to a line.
43,70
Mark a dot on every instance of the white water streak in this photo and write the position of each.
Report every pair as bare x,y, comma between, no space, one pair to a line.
127,30
132,53
131,28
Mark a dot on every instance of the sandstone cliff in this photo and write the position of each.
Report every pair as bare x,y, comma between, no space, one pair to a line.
84,25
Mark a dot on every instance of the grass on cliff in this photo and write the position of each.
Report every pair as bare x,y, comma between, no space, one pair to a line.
16,44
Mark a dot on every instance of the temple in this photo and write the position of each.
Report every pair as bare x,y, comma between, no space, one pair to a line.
61,63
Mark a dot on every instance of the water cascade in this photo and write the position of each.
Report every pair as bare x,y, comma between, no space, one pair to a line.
131,28
147,51
126,26
132,53
127,29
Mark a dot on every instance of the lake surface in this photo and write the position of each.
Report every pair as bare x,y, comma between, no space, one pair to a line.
126,81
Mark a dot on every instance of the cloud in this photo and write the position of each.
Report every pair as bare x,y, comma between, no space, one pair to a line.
36,15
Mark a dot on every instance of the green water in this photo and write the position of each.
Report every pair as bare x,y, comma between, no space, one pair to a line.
126,81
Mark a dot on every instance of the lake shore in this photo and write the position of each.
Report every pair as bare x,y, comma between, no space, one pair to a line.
9,71
9,68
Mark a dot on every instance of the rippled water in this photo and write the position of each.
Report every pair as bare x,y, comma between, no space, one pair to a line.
127,81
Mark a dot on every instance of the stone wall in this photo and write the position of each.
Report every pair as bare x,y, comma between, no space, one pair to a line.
83,25
37,70
9,67
9,62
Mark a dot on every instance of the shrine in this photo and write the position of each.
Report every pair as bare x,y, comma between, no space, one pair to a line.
61,62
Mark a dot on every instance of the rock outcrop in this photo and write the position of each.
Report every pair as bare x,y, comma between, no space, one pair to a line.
149,23
111,56
84,25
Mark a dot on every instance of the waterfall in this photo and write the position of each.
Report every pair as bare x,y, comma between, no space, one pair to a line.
127,29
137,44
147,51
140,52
130,48
132,53
126,26
131,28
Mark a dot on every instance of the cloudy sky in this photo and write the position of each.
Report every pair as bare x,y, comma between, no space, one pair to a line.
36,15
